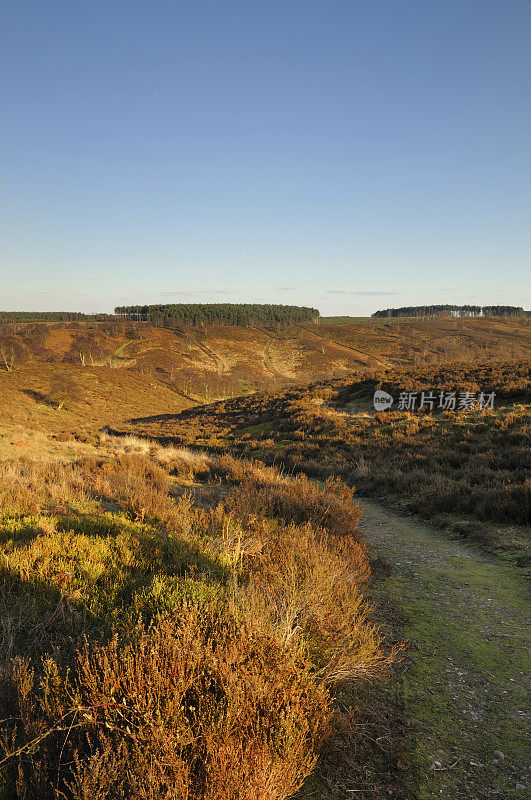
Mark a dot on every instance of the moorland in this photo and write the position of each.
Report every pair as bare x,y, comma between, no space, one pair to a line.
189,606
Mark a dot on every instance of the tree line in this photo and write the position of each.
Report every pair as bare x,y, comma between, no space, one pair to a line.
446,310
51,316
244,314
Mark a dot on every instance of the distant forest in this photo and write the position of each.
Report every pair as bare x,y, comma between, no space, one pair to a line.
436,311
219,314
51,316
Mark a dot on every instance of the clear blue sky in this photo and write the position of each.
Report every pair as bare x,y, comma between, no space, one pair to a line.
342,154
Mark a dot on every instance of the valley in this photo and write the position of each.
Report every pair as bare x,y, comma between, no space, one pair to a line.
168,489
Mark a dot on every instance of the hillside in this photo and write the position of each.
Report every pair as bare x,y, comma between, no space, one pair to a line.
467,468
69,379
216,361
31,421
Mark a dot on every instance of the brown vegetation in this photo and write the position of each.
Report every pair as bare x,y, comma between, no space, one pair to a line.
69,380
67,400
157,649
223,361
440,464
196,706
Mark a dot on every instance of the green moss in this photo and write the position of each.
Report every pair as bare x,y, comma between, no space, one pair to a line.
254,430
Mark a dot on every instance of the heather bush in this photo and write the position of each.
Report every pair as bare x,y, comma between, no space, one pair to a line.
299,500
196,706
471,463
158,649
305,587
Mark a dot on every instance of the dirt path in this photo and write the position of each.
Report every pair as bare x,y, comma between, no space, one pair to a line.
465,693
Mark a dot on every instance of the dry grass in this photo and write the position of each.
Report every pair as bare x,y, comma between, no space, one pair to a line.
97,396
248,612
27,487
185,463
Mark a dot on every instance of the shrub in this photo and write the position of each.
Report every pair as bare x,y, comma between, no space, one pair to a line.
305,586
299,500
251,610
195,707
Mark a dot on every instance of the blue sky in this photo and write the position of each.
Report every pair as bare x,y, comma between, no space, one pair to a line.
341,154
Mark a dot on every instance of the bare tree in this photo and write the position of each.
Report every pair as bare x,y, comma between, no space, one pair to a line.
8,357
